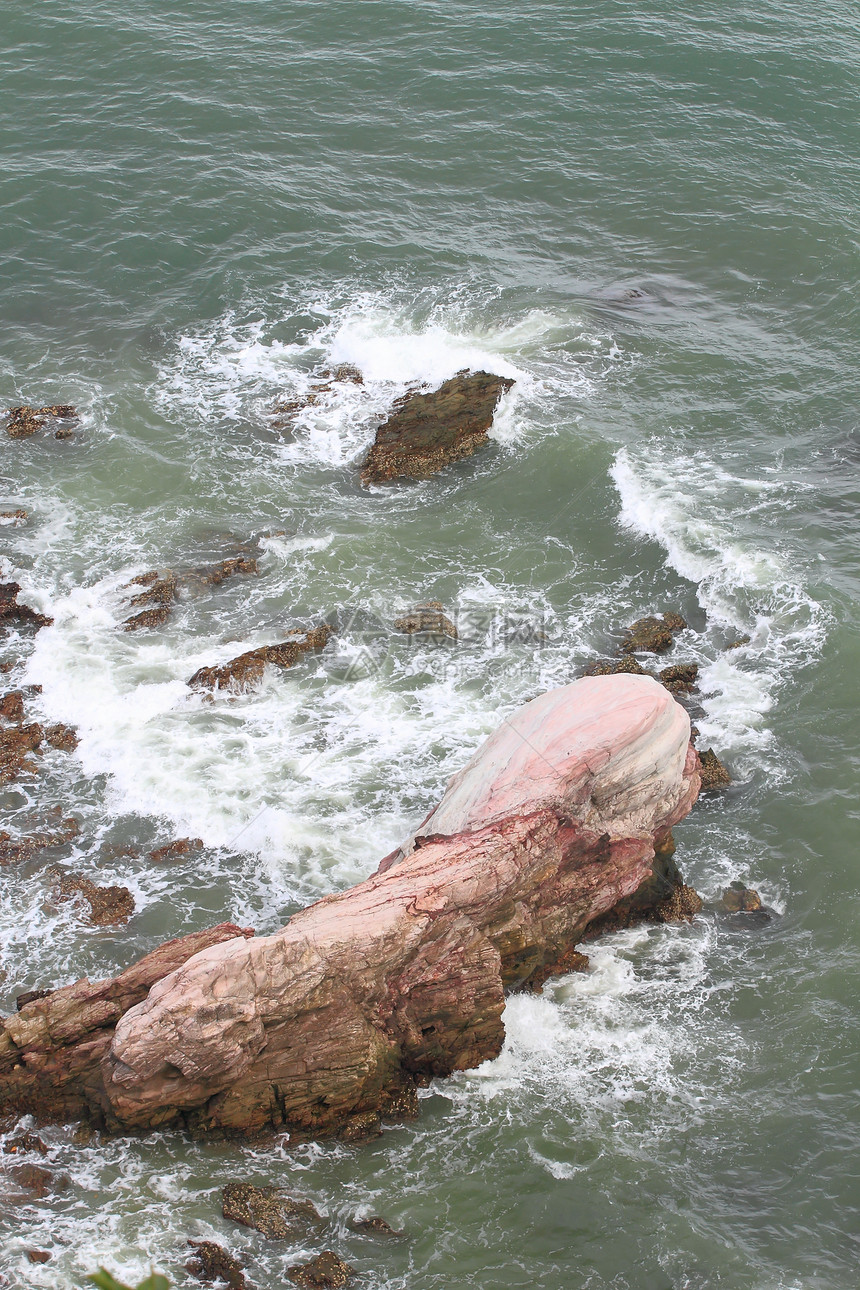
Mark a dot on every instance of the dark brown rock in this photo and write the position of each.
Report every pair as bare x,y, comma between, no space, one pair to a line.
425,432
427,618
33,1179
176,850
38,1256
13,517
212,575
148,618
11,611
213,1263
615,667
24,421
246,671
23,1142
109,906
374,1226
12,706
63,737
26,846
326,1271
652,635
571,961
269,1210
15,745
30,996
741,641
713,772
160,590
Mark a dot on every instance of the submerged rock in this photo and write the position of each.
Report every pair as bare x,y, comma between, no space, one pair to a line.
12,706
327,1270
11,611
428,618
162,588
25,847
211,1262
109,906
652,635
246,671
374,1226
147,618
425,432
713,772
15,518
269,1210
176,850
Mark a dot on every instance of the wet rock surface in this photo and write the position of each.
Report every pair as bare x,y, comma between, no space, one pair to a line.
211,1263
63,737
24,421
427,431
12,612
177,850
15,518
163,588
247,670
429,618
269,1210
739,899
374,1226
652,635
29,844
108,906
713,772
288,410
16,745
326,1270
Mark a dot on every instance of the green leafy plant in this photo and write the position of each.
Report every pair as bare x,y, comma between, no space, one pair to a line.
105,1281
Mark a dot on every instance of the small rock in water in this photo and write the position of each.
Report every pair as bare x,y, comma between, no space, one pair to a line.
739,899
213,1263
427,618
109,906
713,772
680,679
15,745
652,635
614,666
13,517
160,589
63,737
176,850
148,618
33,1179
327,1271
739,643
38,1256
11,611
374,1226
246,671
25,1141
24,421
26,846
268,1210
12,706
426,432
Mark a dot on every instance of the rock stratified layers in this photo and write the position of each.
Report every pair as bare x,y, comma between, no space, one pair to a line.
552,825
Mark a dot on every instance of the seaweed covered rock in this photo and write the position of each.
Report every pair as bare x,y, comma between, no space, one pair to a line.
246,671
24,421
326,1272
652,635
426,432
269,1210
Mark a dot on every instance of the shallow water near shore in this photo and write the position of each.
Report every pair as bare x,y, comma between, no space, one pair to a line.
649,221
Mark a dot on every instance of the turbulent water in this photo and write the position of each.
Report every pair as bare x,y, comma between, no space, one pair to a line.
649,219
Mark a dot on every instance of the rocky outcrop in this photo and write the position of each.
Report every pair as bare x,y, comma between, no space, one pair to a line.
108,906
326,1272
246,671
429,619
269,1210
24,421
428,431
12,612
712,771
338,1016
652,635
211,1262
177,850
50,1050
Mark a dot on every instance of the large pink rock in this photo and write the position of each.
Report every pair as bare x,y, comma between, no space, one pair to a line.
552,826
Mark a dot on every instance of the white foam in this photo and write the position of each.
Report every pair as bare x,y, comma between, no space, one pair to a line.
698,511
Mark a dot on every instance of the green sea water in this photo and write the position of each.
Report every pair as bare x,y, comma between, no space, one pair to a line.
648,217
